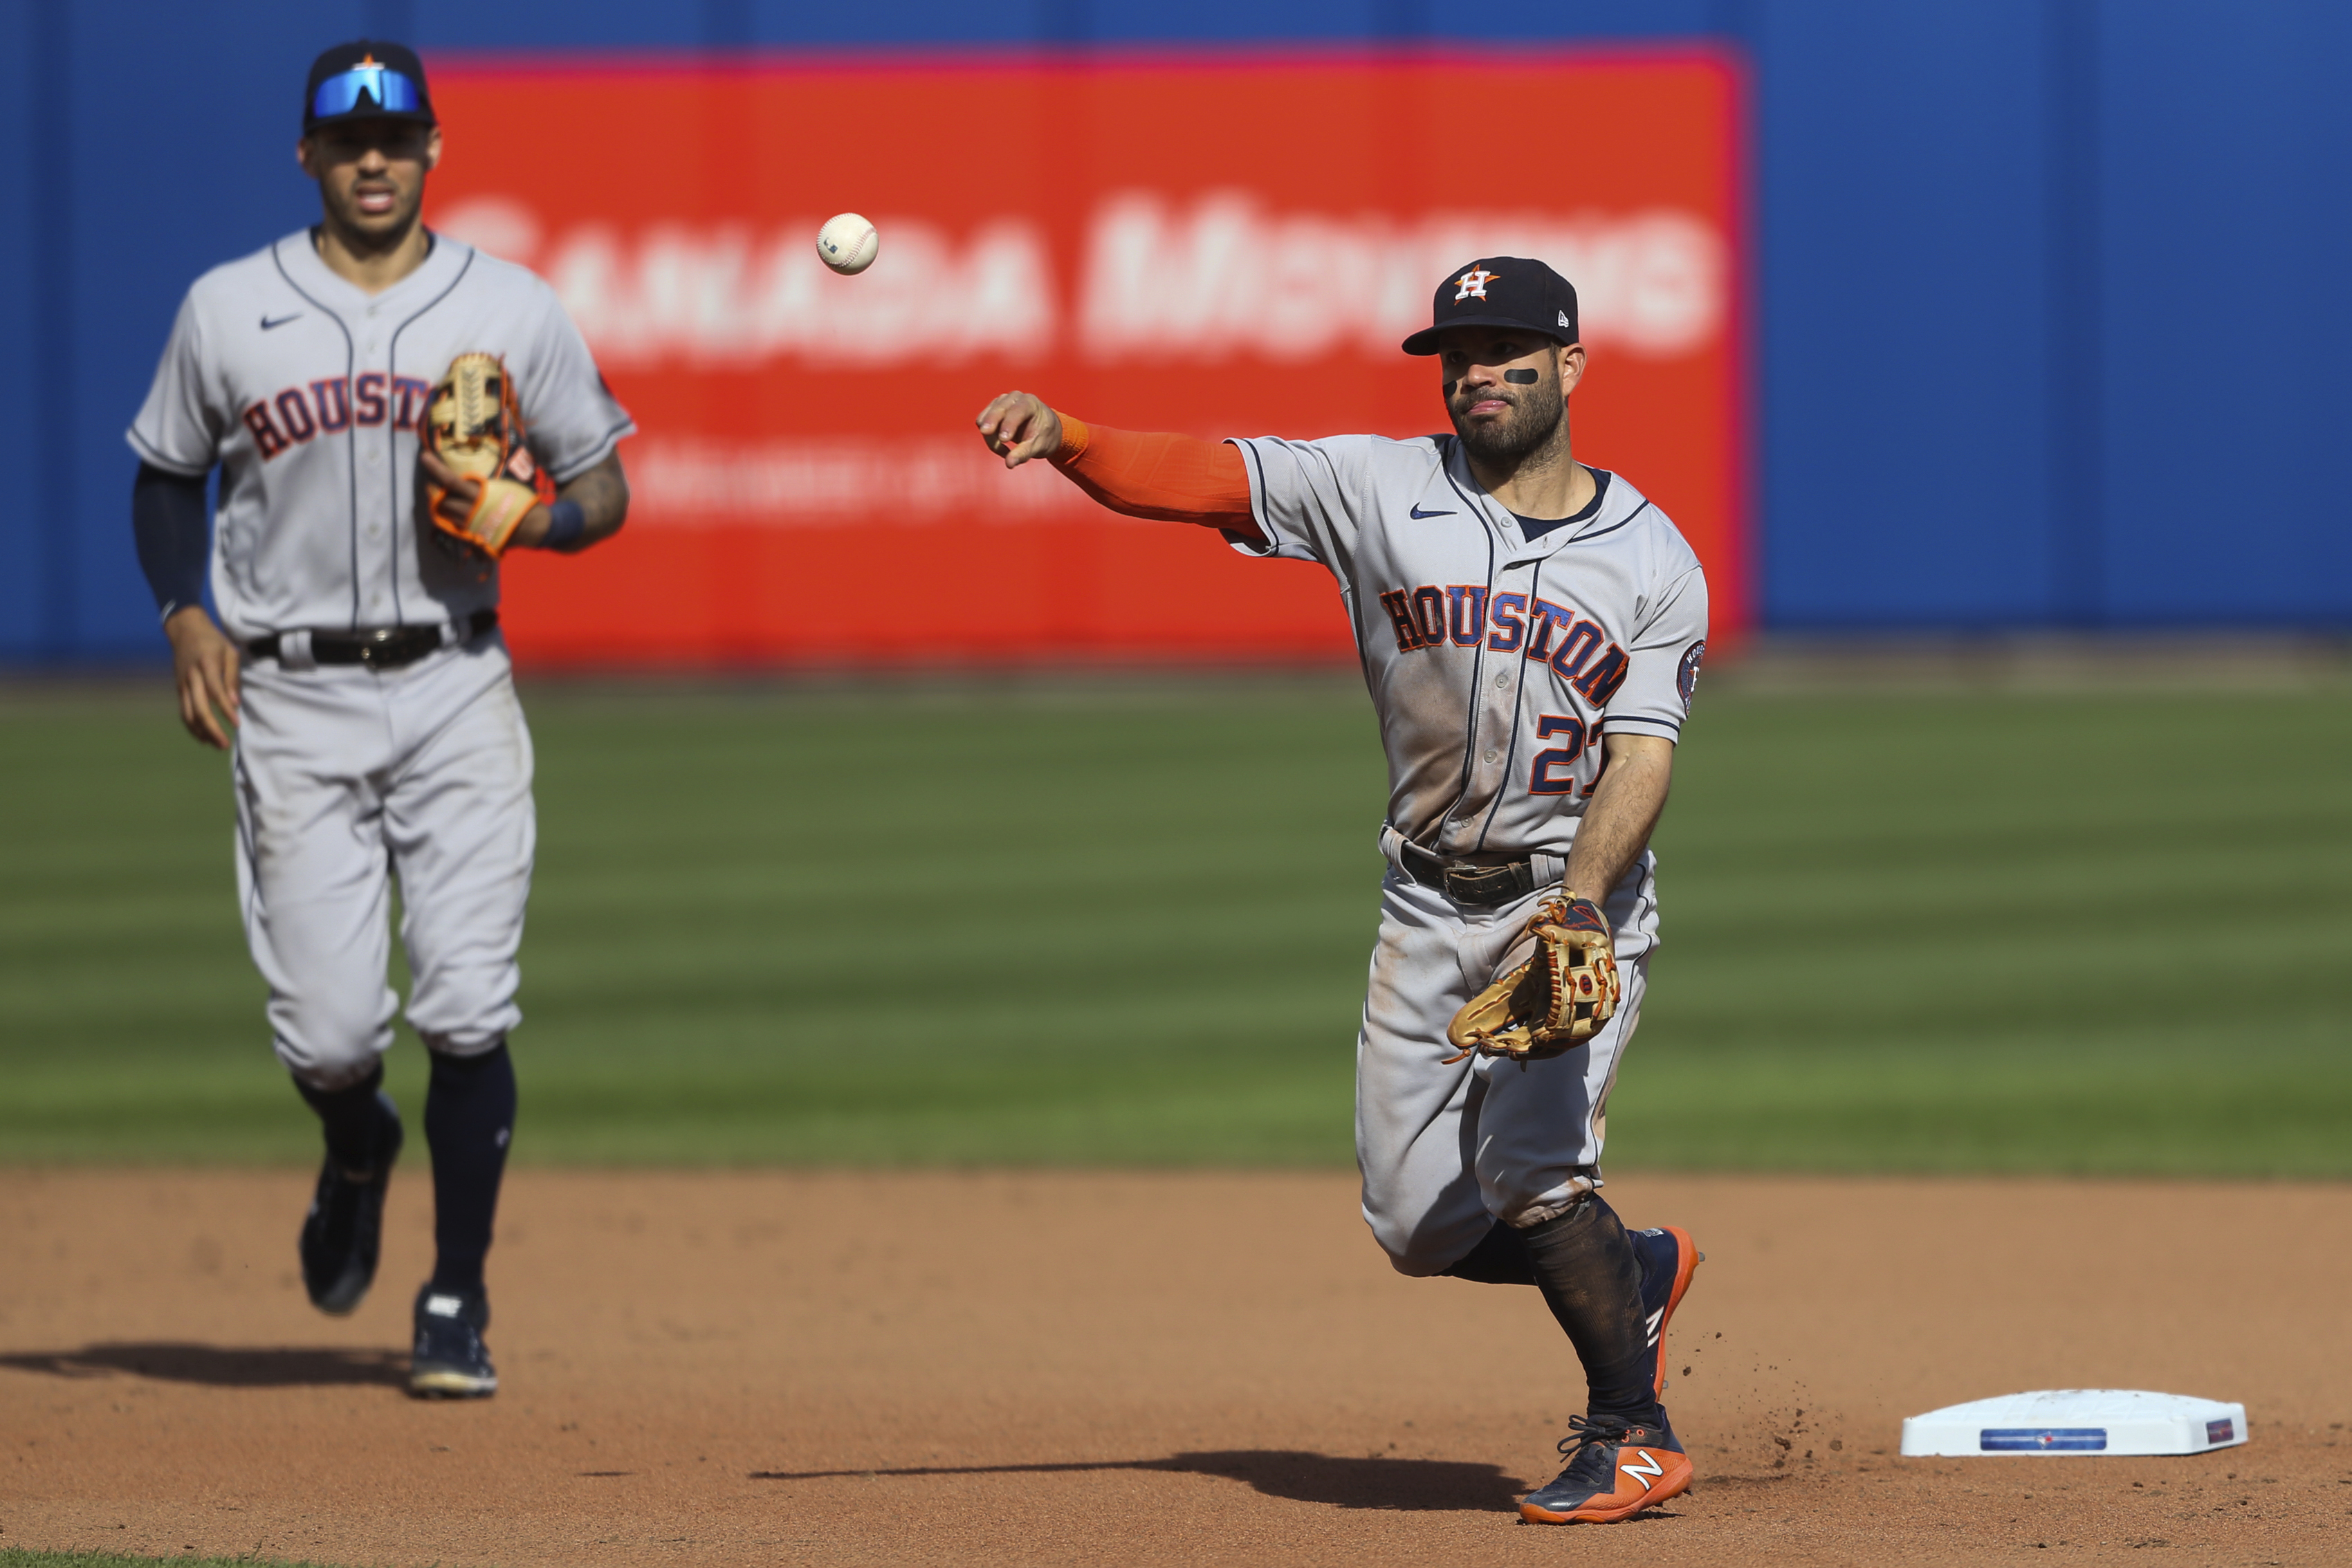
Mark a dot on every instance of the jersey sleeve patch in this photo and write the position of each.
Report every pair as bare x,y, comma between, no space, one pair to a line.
1686,673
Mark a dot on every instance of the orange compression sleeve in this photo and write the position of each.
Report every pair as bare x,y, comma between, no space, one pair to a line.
1179,478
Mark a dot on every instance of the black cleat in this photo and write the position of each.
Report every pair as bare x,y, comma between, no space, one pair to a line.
450,1362
343,1233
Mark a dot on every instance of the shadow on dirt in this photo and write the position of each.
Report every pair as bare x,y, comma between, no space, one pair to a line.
1422,1485
220,1366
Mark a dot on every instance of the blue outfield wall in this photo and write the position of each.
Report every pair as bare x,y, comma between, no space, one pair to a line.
2052,294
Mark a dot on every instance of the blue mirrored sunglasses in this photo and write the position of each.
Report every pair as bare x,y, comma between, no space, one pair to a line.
393,93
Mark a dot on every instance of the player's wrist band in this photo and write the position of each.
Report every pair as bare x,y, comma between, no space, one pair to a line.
565,523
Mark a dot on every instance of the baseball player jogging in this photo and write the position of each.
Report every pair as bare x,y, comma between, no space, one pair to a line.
1530,631
389,411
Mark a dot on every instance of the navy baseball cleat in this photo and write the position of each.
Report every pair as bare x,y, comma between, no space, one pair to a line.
1614,1472
1668,1259
343,1233
450,1362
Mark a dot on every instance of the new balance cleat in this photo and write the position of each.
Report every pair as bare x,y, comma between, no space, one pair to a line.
1614,1472
1668,1257
450,1361
343,1233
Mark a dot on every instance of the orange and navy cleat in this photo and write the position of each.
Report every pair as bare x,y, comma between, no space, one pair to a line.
1614,1472
1668,1257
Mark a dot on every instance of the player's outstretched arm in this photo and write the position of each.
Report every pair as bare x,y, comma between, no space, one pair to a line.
602,494
1018,427
203,667
1624,810
1176,479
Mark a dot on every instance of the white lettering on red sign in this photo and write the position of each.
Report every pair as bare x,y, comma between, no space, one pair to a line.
1223,278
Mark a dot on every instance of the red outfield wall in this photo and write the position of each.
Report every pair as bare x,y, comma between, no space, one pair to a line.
1220,247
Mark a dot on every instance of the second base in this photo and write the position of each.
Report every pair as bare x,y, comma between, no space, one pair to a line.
2055,1421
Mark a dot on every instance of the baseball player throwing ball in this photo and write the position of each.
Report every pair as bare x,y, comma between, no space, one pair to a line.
1531,630
390,412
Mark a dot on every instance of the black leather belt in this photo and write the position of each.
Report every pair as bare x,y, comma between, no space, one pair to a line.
377,647
1465,883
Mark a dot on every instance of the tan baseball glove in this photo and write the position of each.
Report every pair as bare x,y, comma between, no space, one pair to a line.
473,423
1554,1001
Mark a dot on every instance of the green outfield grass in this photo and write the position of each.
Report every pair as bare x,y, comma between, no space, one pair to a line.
1126,921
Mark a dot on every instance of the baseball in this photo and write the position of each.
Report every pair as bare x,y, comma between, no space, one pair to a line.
847,244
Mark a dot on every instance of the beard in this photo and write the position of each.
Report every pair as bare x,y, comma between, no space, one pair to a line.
1533,421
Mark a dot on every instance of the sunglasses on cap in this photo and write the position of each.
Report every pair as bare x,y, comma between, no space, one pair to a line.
392,91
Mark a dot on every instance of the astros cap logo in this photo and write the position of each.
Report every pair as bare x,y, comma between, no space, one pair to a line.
1472,284
370,70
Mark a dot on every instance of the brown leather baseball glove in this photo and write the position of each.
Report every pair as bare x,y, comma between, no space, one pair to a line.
473,423
1554,1001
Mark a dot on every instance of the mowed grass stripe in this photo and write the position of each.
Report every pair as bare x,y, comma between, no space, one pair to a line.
1126,921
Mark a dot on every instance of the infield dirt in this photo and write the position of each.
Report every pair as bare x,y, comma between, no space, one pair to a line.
1136,1368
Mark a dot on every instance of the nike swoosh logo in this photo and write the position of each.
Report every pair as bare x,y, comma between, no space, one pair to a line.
1440,512
267,323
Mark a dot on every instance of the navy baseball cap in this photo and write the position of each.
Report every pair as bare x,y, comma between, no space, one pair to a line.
366,80
1501,291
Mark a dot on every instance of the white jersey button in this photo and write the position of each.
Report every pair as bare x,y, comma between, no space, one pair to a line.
1493,755
1503,680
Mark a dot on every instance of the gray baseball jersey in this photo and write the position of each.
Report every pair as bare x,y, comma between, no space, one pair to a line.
1495,661
310,392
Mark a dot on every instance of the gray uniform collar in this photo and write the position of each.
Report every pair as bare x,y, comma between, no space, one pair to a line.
300,261
1458,487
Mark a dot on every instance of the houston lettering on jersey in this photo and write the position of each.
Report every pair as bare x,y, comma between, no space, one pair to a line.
334,404
1462,616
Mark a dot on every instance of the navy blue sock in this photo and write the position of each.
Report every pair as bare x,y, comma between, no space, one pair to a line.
352,1118
1585,1266
1499,1259
468,1120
